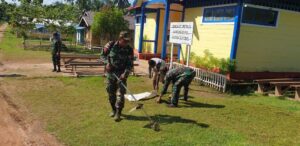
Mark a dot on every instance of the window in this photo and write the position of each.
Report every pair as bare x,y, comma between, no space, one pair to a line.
259,16
219,14
138,19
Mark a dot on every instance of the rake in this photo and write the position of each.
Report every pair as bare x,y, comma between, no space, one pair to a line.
154,125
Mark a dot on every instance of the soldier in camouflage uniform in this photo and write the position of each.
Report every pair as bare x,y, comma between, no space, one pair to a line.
179,77
118,57
57,44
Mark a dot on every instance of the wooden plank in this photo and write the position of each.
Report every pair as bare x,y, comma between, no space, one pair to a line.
87,64
79,56
295,86
276,80
285,83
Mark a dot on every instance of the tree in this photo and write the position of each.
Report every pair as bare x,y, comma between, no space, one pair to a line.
95,5
121,3
108,23
5,10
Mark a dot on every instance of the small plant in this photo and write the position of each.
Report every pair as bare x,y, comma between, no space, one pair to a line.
209,62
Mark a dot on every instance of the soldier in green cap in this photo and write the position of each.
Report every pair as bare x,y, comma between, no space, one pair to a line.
118,57
180,77
57,44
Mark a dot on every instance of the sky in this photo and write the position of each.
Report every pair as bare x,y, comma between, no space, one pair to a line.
52,1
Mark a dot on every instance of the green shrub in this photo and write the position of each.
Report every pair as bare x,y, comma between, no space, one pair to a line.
209,62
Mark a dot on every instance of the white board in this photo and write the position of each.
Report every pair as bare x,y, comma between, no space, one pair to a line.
181,32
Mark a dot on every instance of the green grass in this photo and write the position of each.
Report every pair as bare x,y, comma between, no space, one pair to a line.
76,111
11,49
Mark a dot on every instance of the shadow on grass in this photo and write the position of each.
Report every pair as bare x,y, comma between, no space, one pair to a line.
165,119
192,104
11,75
242,89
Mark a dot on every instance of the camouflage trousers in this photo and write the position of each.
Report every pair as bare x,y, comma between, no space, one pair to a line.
56,61
183,81
112,87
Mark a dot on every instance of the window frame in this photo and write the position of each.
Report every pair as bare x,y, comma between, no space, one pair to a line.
255,23
139,17
223,18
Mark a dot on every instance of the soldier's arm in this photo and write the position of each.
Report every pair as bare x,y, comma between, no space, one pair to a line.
56,47
59,47
129,64
166,85
105,51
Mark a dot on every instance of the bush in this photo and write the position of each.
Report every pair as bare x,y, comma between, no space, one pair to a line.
209,62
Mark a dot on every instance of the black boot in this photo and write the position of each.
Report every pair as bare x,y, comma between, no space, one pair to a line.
54,69
112,101
117,117
58,66
113,113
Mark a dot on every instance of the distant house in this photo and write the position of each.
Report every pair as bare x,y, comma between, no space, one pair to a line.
40,28
84,33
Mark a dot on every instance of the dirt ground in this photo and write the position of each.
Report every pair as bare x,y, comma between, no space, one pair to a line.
17,128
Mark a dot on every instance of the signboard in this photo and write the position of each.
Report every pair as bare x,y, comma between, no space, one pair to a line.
181,32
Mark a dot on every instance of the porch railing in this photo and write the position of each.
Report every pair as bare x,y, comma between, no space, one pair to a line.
207,78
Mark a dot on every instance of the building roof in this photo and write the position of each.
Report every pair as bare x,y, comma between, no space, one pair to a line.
293,5
87,17
130,20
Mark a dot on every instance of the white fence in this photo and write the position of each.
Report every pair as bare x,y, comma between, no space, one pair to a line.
208,78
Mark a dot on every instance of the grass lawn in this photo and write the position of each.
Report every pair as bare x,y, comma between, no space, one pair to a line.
11,49
76,111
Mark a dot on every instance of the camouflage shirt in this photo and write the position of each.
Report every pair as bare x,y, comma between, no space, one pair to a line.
174,74
119,58
56,48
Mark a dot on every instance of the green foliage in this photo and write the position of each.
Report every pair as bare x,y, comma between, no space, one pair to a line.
4,7
208,61
95,5
108,23
23,17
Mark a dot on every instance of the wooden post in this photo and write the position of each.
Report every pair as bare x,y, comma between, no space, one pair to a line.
171,61
297,93
188,55
260,88
278,90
